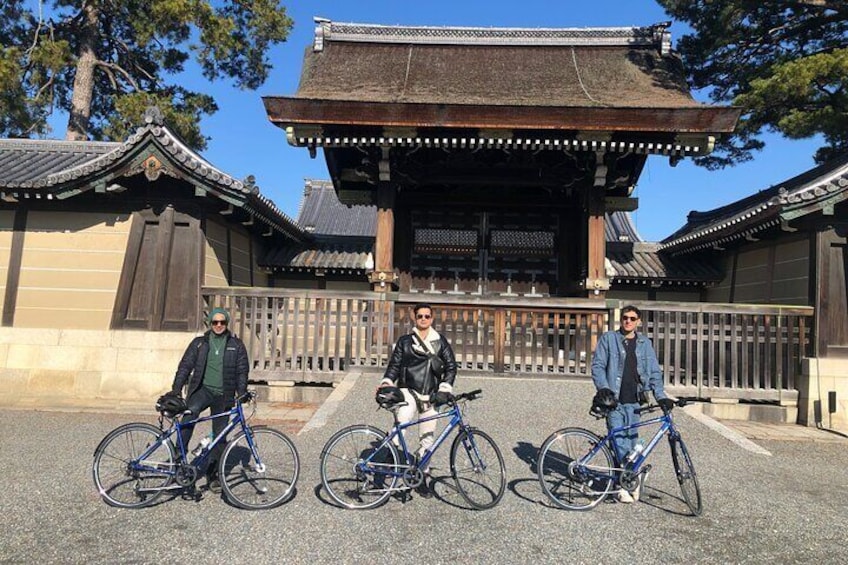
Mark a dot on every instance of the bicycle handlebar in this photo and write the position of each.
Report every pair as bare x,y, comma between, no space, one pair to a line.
599,413
651,407
246,397
472,395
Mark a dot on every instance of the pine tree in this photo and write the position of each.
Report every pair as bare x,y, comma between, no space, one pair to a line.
784,62
105,61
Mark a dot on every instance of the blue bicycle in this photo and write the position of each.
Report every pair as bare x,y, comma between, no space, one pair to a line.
577,469
361,465
136,463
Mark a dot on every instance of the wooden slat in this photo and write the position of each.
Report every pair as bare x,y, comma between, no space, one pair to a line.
750,351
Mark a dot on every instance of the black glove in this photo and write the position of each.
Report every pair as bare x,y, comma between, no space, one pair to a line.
666,404
442,397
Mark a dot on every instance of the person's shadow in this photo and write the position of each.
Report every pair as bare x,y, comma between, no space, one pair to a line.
528,488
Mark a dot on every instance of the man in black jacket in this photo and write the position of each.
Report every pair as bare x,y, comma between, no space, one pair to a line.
422,363
215,366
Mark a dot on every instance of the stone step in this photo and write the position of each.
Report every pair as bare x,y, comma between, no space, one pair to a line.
752,412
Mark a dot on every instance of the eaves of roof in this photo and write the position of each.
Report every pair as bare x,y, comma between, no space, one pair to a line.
814,190
113,159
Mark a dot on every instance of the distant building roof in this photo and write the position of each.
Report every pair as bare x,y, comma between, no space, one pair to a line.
321,212
812,191
641,263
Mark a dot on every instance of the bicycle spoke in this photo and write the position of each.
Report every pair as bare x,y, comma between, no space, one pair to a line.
261,484
347,479
130,486
568,483
478,469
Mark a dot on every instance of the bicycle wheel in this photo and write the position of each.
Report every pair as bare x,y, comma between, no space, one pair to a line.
121,477
478,468
686,476
572,486
266,483
350,484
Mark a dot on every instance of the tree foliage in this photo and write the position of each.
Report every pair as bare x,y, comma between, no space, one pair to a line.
785,63
106,61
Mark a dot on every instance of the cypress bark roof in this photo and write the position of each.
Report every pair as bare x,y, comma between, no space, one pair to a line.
527,78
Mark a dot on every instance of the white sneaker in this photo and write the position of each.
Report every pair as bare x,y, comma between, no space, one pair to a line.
625,497
635,494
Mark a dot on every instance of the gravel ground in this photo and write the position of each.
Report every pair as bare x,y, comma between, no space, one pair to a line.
784,508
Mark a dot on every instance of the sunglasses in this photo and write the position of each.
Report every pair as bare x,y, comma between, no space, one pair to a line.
423,316
629,318
219,322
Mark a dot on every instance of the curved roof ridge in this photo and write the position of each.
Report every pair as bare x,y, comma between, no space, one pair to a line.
168,140
652,35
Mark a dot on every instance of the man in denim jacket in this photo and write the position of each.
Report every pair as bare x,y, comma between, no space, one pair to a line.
625,365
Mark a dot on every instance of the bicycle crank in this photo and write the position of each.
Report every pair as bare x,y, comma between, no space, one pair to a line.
413,477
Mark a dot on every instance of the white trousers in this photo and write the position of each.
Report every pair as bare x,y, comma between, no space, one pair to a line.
408,413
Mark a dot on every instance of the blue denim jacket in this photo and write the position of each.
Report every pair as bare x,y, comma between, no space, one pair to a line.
608,364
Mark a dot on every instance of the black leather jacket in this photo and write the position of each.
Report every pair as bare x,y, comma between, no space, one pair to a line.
193,365
411,369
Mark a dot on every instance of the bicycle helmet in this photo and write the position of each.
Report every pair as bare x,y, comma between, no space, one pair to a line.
171,405
388,397
603,402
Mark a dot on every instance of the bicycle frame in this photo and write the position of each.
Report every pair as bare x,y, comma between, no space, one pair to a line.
236,413
666,428
455,415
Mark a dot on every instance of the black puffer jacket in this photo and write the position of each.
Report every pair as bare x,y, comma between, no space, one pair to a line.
411,369
193,365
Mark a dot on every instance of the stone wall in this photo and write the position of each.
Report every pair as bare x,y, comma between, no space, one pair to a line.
88,365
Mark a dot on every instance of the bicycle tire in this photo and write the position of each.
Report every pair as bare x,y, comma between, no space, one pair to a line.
686,476
116,481
348,486
250,487
472,461
562,484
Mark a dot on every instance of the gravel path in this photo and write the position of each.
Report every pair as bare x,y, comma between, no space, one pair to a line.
787,508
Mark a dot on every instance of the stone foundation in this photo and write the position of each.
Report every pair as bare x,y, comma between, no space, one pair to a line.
819,377
89,364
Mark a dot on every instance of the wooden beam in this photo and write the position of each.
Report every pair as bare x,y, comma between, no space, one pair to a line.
287,111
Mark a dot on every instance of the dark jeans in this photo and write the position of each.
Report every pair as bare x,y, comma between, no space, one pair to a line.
202,399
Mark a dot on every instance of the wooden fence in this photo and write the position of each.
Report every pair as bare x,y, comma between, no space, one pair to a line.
705,350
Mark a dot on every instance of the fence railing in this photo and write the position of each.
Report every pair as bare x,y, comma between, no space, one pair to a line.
705,350
750,352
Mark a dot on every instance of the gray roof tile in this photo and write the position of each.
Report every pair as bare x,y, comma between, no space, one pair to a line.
25,161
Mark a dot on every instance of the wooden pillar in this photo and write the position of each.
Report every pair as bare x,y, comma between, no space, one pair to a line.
384,274
597,282
13,273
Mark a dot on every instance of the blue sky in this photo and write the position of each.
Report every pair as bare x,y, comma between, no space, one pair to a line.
244,142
